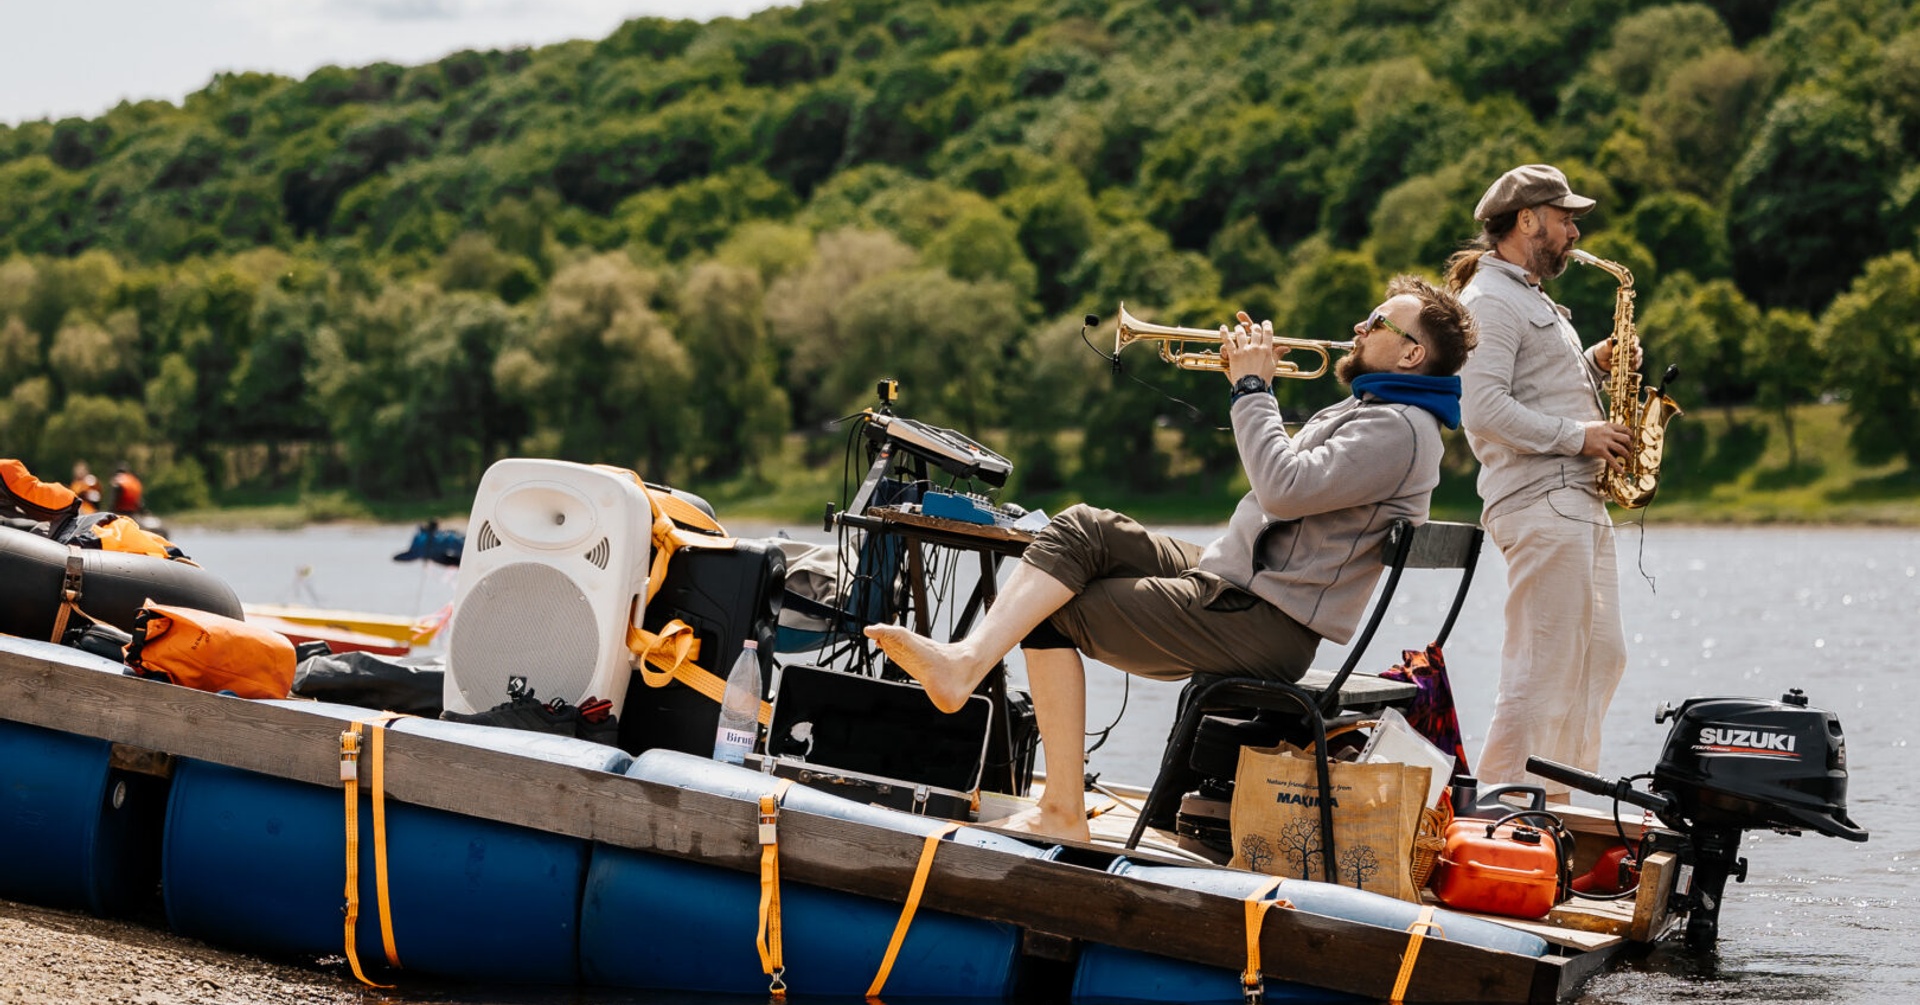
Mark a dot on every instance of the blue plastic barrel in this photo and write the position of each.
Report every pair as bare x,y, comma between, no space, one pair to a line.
258,863
657,922
1108,974
74,832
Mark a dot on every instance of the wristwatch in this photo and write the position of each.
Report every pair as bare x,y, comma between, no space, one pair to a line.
1252,383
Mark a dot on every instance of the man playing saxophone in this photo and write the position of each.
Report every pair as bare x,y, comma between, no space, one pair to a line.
1530,403
1297,563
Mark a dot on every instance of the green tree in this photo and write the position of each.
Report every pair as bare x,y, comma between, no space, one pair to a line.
92,426
805,136
1683,233
170,397
805,313
1645,47
23,419
100,357
1136,263
1872,348
1780,351
1243,256
354,369
740,402
696,215
1703,114
451,418
982,243
1806,198
1056,223
948,342
20,355
601,373
1704,329
267,393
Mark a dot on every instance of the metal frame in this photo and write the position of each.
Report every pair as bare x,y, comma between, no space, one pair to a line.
1426,546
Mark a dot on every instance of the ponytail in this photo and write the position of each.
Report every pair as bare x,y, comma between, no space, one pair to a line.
1462,264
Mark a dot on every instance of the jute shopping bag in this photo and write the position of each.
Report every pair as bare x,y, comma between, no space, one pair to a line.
1376,814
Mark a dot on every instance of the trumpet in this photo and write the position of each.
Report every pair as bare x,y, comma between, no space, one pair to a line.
1174,350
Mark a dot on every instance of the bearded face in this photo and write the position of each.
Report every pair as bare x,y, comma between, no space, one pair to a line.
1547,261
1548,245
1350,366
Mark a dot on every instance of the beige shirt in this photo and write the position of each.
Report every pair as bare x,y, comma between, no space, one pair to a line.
1527,391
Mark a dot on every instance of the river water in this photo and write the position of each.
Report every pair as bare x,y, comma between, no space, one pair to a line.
1709,611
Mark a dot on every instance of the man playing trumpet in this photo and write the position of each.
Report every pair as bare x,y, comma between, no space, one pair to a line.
1297,563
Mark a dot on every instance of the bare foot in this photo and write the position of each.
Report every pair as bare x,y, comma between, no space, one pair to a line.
1045,821
938,666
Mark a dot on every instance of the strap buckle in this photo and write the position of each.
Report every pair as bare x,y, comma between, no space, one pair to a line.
1253,987
350,756
71,581
769,820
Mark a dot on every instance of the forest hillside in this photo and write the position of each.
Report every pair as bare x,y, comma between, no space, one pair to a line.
689,247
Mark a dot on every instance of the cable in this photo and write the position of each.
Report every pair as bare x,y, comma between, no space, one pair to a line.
1113,360
1126,695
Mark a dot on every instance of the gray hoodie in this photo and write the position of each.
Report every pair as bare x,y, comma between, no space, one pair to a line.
1321,502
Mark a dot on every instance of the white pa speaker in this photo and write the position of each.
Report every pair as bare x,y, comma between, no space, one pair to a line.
554,569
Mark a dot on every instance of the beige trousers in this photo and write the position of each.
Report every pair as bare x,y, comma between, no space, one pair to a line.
1565,648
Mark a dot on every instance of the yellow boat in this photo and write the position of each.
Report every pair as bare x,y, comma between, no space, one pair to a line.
399,628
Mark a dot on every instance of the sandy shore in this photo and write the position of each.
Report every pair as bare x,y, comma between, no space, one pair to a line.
50,957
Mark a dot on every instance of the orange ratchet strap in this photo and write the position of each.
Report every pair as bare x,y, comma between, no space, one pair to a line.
1418,930
767,939
1253,984
350,778
913,904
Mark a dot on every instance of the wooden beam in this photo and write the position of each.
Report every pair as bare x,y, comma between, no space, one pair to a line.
1051,898
1650,918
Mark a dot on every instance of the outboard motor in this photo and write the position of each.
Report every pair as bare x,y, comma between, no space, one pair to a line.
1732,765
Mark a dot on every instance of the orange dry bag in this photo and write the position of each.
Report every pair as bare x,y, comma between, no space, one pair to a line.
210,652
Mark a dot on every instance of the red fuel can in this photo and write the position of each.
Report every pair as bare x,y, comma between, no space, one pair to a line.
1511,870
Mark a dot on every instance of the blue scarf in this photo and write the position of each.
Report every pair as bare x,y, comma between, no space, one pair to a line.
1439,395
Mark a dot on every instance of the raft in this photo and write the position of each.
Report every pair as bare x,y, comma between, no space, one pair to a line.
516,857
113,585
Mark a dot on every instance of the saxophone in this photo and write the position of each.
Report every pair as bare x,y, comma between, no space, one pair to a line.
1633,484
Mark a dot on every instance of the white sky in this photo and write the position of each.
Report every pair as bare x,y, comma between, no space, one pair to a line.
82,57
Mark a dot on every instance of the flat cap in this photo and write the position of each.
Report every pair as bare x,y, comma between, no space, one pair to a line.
1526,186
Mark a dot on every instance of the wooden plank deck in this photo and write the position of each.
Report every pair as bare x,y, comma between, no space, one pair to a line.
1053,901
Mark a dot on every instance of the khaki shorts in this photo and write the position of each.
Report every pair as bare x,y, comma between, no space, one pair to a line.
1142,604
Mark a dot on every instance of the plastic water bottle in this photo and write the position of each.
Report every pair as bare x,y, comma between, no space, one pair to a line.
740,708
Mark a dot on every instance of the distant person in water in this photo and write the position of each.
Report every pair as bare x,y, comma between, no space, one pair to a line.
1297,563
434,545
128,495
87,486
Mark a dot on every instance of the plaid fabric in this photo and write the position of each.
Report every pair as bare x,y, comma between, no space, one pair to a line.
1432,712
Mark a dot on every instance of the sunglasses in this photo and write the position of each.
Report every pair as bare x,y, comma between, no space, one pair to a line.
1379,318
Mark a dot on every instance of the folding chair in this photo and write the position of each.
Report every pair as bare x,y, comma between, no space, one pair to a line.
1320,698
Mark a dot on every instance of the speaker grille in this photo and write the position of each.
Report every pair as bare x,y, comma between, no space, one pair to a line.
523,620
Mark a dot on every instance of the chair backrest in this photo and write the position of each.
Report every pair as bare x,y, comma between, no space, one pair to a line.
1431,545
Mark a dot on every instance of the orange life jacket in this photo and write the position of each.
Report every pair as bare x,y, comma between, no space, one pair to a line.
119,532
23,494
87,487
127,493
210,652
